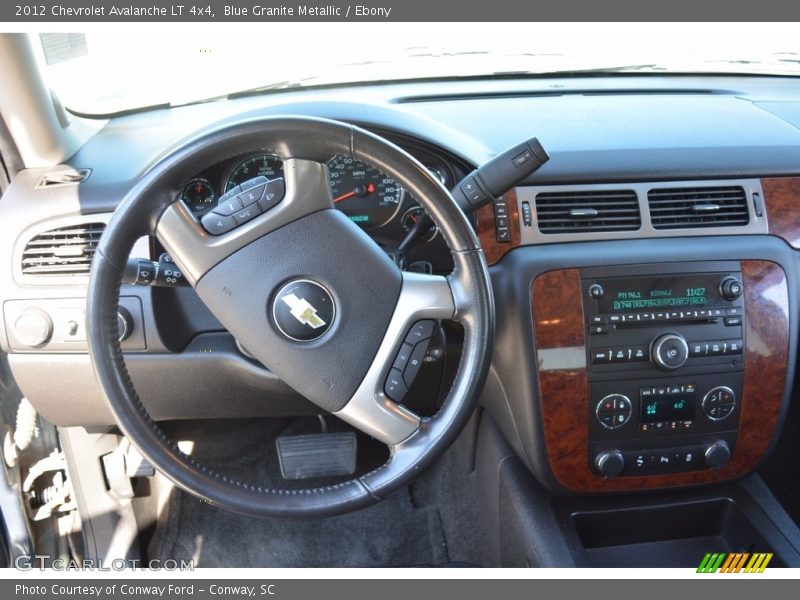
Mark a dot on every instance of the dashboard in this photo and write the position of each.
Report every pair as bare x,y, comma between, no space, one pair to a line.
646,278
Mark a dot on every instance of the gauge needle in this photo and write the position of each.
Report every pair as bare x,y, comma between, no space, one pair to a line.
369,190
344,197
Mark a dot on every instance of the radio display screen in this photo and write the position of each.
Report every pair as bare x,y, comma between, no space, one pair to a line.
667,408
630,294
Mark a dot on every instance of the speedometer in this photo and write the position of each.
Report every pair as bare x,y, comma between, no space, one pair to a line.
367,196
266,165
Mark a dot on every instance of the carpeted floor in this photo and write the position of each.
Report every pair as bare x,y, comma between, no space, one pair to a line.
434,522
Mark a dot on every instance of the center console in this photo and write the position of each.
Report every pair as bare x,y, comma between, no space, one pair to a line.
665,356
662,374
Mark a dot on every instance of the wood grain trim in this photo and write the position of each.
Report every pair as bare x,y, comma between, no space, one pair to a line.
558,326
492,249
782,201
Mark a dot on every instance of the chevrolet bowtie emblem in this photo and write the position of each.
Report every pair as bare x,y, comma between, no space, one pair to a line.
303,311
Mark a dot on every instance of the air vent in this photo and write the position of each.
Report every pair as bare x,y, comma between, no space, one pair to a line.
63,251
584,211
679,208
64,177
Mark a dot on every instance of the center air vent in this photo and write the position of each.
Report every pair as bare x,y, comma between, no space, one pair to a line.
678,208
63,251
592,210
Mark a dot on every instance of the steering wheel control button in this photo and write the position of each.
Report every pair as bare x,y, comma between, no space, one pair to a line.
395,387
403,355
228,207
613,411
303,310
253,195
415,362
422,330
669,351
273,194
718,403
251,183
246,214
218,224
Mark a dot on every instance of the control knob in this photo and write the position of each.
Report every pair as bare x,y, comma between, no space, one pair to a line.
717,454
609,463
33,327
730,288
669,351
124,324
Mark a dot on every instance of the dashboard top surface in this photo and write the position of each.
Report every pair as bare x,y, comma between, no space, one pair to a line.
613,128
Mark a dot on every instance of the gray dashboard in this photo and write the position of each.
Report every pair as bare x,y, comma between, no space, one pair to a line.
597,130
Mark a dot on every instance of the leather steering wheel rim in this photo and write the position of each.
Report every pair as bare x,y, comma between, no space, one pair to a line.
151,208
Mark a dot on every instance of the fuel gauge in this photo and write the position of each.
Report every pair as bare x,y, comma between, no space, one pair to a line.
199,195
410,217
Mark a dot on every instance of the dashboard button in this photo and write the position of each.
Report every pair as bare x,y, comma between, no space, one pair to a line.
601,356
503,234
638,461
718,403
598,329
733,321
218,224
697,349
613,411
688,457
664,459
734,347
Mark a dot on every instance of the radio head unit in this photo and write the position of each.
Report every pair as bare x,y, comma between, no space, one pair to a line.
665,354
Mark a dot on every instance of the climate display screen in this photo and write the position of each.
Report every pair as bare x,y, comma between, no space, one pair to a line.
630,294
667,408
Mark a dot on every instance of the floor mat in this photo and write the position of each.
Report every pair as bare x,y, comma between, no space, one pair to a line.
395,532
391,533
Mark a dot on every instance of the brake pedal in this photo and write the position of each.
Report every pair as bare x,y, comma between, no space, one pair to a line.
317,455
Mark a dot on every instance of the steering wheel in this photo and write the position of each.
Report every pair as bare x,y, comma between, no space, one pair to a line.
310,295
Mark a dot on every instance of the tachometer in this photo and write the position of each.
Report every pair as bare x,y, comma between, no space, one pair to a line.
267,165
198,194
367,196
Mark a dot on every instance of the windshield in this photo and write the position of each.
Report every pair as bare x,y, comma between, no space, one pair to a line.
108,70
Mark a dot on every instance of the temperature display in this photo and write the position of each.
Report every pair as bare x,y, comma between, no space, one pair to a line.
667,408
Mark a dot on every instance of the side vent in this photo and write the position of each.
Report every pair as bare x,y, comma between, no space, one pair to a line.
64,177
63,251
587,211
679,208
